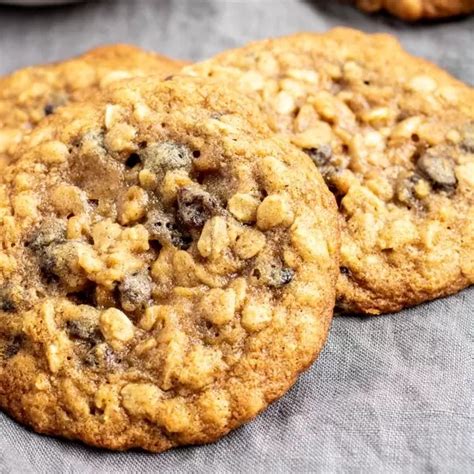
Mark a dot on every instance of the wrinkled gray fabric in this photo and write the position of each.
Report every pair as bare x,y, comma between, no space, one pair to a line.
388,394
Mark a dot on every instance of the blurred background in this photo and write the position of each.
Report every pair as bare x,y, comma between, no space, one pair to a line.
196,29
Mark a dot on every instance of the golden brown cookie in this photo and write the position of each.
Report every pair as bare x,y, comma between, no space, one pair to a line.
413,10
28,95
167,267
393,135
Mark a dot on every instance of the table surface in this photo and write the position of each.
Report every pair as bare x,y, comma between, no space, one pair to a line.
392,393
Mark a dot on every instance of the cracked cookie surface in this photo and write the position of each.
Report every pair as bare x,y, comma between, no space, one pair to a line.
393,137
30,94
413,10
167,267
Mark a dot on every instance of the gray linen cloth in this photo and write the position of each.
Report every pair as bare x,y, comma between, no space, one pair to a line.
388,394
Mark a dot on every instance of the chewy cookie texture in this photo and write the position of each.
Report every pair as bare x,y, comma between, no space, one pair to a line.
167,267
393,137
30,94
413,10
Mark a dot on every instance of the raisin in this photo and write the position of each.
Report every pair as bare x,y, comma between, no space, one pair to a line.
321,156
345,271
51,231
437,169
7,299
181,240
56,256
85,330
57,264
48,109
283,277
195,207
326,162
47,265
163,228
161,157
135,291
101,360
405,190
54,101
90,359
110,358
273,276
13,346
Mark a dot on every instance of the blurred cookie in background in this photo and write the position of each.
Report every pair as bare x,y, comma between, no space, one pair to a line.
393,136
413,10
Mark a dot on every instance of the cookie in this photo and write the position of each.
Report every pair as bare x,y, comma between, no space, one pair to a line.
28,95
413,10
167,267
393,137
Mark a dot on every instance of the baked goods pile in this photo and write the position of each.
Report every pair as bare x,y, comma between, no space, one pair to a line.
174,238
